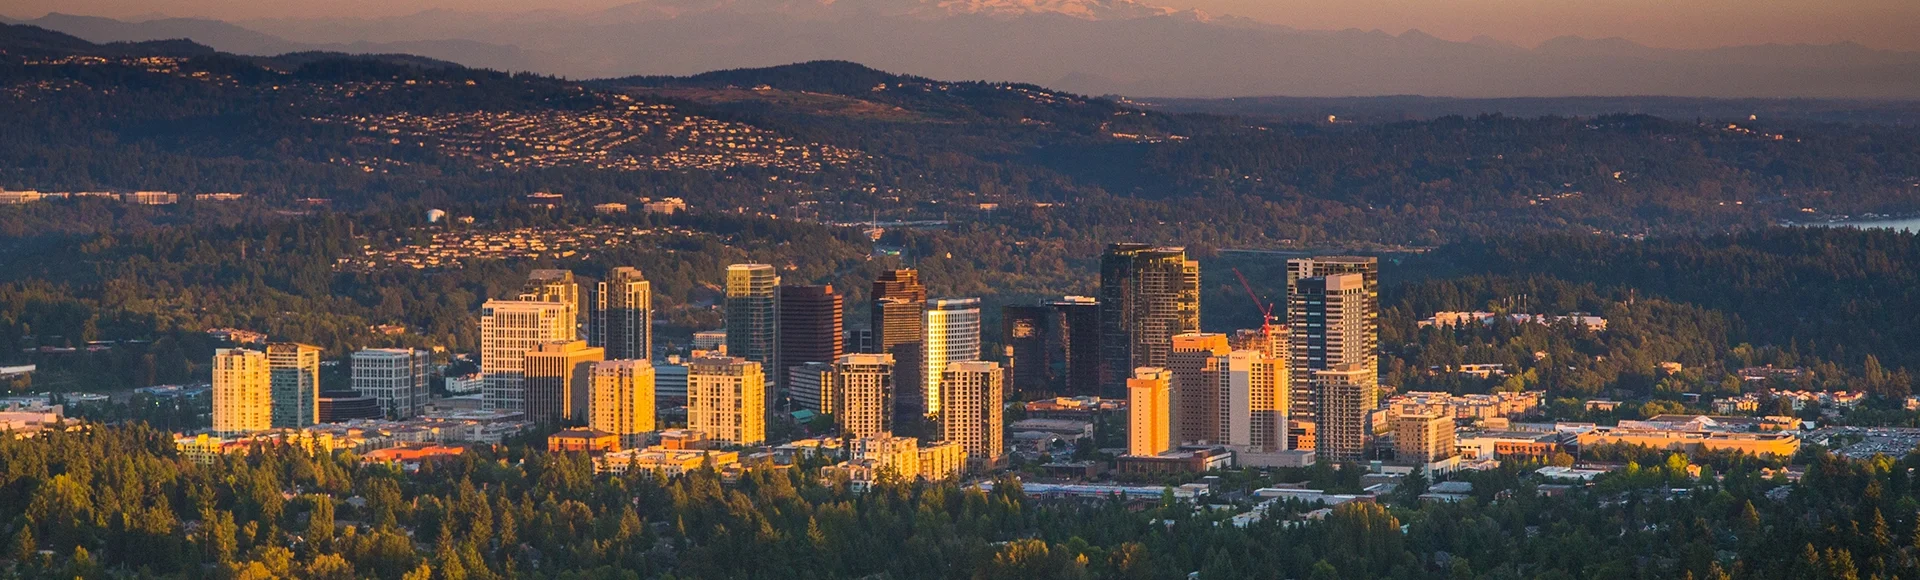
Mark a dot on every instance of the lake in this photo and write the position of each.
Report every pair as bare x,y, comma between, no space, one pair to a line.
1908,225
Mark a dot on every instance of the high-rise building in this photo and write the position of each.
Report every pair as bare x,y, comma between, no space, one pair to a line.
559,382
1307,324
508,329
857,340
1078,329
1147,295
953,335
670,383
296,383
394,377
1028,333
1366,266
623,400
1343,404
1053,346
556,286
898,329
1252,396
861,394
242,391
1148,413
809,326
1194,387
972,411
727,399
1272,340
753,324
809,386
623,315
1331,321
1423,438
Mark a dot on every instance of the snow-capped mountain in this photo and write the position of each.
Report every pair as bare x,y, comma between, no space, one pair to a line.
1130,47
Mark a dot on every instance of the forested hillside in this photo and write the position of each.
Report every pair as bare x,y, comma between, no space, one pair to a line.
840,142
119,501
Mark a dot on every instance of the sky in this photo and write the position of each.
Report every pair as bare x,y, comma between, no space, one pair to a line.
1887,24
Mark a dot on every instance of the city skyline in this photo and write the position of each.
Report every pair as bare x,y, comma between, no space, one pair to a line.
783,289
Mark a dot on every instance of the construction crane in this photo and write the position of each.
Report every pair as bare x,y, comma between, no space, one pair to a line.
1266,309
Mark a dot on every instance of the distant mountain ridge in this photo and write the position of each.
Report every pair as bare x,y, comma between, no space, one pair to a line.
1089,46
28,40
842,142
825,76
231,38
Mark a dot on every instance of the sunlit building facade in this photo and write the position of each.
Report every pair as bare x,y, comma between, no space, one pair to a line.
860,394
622,400
972,412
953,335
242,391
559,382
753,314
1342,425
1194,386
560,286
508,329
1148,412
727,399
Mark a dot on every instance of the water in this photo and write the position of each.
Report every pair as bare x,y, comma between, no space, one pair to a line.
1907,225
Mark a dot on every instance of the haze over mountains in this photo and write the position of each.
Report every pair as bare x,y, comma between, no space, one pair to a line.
1088,46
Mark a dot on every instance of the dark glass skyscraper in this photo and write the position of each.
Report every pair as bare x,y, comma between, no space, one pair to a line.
622,322
809,326
1147,295
1031,339
1055,346
899,302
1078,329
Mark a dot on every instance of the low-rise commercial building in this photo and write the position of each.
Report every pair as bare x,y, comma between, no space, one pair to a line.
665,462
411,457
588,440
1074,408
1520,445
1423,438
877,457
1183,460
1776,444
942,460
1476,407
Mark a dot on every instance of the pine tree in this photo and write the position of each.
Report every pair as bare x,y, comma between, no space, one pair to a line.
1749,517
24,546
1715,572
1878,535
320,520
1840,565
